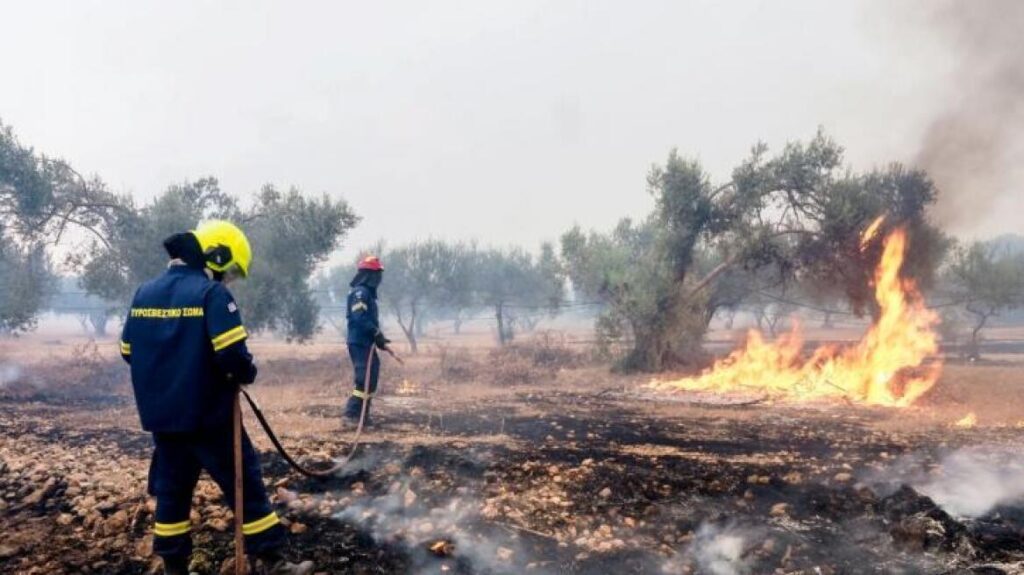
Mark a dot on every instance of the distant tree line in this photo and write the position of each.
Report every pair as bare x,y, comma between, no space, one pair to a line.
435,280
42,198
983,281
783,232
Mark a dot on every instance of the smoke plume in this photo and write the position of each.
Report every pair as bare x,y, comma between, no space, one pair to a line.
716,550
720,551
9,373
401,517
973,148
969,482
973,482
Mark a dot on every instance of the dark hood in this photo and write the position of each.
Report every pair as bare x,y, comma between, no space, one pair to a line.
367,278
185,246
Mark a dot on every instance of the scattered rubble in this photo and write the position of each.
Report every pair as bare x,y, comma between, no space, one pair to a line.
579,483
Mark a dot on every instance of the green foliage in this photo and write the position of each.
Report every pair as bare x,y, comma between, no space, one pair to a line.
433,279
425,278
797,217
26,282
131,250
290,234
41,197
989,280
516,286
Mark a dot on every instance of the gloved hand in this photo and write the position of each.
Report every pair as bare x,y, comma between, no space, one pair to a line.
380,341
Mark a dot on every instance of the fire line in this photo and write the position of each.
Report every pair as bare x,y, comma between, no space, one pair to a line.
886,367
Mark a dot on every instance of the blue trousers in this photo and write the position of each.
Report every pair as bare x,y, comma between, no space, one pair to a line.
361,361
178,459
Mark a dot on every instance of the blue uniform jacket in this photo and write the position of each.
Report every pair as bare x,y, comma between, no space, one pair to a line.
185,342
362,315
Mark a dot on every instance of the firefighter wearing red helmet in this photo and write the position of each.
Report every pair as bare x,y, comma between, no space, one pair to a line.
364,336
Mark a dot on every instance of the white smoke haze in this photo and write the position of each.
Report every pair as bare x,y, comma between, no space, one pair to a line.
9,373
401,517
966,483
972,482
717,550
363,461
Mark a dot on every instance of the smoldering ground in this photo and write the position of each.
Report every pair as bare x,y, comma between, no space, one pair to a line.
969,482
576,481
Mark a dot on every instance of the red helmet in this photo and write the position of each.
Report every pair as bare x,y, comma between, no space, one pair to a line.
371,263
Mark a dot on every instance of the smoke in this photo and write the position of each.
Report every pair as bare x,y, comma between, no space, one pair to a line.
968,482
716,550
973,147
9,373
973,482
401,517
720,551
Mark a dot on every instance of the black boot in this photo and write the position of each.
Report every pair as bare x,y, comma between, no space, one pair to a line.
353,410
176,566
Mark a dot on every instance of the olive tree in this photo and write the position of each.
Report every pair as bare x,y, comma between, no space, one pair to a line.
424,278
290,234
40,199
800,213
988,281
514,284
26,283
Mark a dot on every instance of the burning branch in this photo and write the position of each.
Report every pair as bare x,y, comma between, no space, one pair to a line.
887,367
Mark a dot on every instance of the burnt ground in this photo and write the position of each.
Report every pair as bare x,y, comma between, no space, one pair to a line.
566,476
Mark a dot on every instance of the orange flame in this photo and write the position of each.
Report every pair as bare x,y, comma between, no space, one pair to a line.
967,422
871,231
886,367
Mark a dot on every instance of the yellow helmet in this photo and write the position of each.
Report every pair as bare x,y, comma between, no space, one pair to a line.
225,247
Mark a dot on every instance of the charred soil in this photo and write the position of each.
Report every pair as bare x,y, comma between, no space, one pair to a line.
575,476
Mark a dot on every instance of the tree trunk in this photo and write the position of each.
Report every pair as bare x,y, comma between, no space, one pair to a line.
649,351
499,314
730,318
773,323
99,321
974,350
409,331
674,338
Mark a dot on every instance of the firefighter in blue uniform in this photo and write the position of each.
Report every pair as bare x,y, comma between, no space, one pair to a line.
364,335
185,342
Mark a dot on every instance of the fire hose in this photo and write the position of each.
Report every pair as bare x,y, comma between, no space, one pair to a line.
322,473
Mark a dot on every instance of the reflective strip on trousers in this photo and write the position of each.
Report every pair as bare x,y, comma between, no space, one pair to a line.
172,529
260,525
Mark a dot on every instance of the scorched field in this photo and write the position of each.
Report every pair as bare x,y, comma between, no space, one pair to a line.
532,459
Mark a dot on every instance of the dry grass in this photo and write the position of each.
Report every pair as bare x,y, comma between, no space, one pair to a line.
298,381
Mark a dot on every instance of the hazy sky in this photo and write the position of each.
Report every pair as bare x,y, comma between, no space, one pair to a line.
505,122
